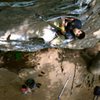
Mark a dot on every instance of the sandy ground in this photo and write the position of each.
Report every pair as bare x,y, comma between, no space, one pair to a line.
52,68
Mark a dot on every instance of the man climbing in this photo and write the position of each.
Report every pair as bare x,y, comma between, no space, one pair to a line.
70,29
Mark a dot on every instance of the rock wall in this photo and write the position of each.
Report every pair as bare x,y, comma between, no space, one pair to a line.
18,25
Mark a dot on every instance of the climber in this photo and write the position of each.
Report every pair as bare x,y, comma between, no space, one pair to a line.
71,28
63,31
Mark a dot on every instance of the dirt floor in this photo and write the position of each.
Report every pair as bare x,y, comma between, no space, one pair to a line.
52,68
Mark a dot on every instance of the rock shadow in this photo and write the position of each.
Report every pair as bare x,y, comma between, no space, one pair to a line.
15,61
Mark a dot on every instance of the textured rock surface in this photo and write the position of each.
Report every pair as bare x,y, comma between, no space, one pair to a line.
20,24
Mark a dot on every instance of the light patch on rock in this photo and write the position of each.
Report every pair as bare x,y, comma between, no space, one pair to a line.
48,34
17,33
5,36
24,73
67,67
97,34
31,31
70,45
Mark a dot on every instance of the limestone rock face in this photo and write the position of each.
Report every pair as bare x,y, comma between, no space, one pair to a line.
21,30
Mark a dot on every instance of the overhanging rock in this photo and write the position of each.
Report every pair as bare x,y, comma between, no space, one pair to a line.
15,23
